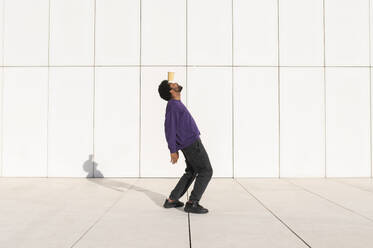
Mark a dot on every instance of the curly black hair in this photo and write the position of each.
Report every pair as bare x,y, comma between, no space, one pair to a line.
164,90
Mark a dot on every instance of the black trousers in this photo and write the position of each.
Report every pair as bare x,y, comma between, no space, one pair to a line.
197,167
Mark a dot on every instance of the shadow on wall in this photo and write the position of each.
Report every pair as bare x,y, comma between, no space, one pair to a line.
92,170
95,176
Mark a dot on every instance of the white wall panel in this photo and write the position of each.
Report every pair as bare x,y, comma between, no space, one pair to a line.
117,121
371,123
1,119
210,32
26,32
255,32
347,32
71,32
163,32
210,103
301,32
155,155
117,117
25,122
1,31
255,122
347,122
371,30
117,32
70,138
1,78
302,129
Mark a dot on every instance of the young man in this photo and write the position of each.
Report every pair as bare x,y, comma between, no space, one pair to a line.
182,134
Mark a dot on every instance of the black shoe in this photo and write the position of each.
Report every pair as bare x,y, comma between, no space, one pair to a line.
194,207
174,204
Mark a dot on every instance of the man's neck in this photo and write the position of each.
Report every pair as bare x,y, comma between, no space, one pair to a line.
176,98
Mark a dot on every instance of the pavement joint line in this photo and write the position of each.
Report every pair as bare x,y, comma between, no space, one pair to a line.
333,202
269,210
189,229
351,185
103,214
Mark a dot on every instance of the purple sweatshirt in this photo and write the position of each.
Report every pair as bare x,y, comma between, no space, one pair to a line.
180,128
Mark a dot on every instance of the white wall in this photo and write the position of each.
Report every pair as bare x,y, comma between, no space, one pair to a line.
276,90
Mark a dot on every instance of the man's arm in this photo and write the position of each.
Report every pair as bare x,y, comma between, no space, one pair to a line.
170,125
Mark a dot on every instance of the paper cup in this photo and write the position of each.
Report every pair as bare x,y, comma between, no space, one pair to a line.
171,76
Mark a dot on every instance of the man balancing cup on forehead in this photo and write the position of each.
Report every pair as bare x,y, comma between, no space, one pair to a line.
182,134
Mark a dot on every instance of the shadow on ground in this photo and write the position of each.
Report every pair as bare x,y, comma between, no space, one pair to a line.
96,176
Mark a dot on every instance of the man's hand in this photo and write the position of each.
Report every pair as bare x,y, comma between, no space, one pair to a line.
174,157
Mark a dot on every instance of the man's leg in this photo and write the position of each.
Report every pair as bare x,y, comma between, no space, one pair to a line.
203,167
184,182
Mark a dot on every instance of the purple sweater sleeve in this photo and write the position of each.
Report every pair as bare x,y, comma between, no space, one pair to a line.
170,125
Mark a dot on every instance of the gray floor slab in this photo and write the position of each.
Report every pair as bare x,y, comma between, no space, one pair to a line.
352,198
360,183
139,219
236,219
128,212
318,221
49,212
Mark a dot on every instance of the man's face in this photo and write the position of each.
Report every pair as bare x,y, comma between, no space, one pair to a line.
176,87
